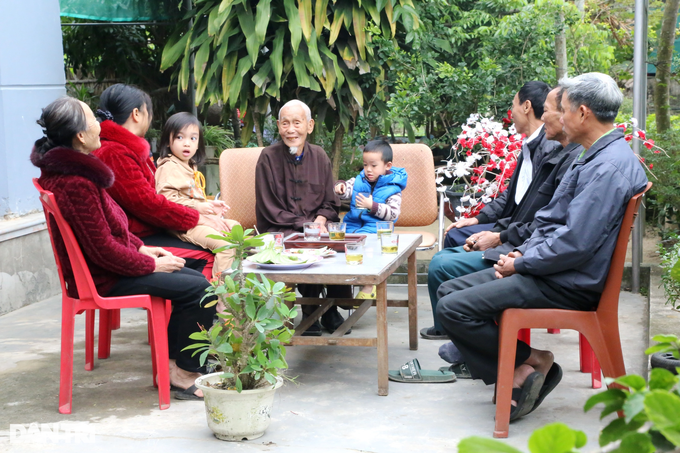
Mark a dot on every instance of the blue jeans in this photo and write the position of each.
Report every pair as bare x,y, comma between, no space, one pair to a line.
448,264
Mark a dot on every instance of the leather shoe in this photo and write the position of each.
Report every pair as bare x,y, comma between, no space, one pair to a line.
313,331
332,319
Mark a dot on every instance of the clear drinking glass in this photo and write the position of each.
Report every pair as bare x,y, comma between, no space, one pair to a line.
384,227
277,238
312,231
336,231
389,243
354,253
365,195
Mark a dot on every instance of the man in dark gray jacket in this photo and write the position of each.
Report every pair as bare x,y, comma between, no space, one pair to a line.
565,262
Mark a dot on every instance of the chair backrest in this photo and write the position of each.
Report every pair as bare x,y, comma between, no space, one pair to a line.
81,272
237,183
609,300
419,199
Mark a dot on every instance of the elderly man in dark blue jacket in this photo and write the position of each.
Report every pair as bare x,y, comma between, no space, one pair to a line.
565,262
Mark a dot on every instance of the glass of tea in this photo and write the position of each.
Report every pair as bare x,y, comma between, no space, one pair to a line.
312,231
336,231
354,253
384,228
389,243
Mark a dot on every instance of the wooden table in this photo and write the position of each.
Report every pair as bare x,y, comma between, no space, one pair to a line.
374,271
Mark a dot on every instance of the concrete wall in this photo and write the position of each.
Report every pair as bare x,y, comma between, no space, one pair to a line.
31,76
28,273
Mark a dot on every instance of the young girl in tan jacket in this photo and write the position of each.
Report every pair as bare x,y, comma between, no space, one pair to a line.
181,150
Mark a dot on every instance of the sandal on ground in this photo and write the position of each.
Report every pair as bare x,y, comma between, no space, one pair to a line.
186,394
412,373
553,378
527,395
430,333
363,295
459,369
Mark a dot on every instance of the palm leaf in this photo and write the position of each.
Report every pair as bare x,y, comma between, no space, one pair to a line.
320,12
305,9
294,24
276,56
359,21
262,19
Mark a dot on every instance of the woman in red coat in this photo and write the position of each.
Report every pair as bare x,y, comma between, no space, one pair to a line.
126,114
119,261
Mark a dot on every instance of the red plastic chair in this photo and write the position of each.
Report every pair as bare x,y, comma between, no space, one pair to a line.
600,327
89,301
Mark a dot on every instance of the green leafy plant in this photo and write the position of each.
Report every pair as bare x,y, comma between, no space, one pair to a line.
257,55
248,338
552,438
218,137
651,420
669,252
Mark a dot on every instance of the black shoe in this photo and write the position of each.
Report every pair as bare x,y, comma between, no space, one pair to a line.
313,331
331,320
430,333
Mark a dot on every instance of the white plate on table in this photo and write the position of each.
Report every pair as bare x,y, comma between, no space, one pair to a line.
311,252
288,267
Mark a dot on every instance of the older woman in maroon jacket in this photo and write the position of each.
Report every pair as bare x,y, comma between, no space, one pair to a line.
126,114
119,261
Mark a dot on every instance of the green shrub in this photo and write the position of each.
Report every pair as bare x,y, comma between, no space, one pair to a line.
651,420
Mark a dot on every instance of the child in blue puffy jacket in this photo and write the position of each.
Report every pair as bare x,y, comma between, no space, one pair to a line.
384,183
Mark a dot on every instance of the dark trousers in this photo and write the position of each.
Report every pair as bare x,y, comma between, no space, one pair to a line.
185,288
332,291
469,306
457,236
196,257
449,264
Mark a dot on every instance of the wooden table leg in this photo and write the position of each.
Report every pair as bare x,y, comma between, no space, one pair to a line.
412,303
381,308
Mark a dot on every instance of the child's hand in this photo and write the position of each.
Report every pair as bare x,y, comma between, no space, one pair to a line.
340,188
219,206
364,202
205,208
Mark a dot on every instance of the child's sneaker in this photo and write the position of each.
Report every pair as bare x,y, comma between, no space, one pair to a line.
363,295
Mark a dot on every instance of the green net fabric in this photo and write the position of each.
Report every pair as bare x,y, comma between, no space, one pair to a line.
121,10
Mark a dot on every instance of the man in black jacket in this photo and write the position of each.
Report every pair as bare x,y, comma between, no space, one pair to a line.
527,109
484,248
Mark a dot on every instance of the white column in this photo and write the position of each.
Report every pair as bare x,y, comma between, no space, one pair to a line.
31,76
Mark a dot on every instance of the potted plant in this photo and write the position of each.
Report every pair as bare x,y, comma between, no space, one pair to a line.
216,140
247,342
665,356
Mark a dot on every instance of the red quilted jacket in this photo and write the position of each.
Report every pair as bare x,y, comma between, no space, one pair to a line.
79,184
134,188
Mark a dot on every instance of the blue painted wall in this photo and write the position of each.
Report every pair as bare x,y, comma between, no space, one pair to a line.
31,76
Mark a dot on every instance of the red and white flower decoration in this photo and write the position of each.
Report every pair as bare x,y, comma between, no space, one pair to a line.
631,131
483,160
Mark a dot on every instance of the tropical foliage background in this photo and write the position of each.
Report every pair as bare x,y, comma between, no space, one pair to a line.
395,68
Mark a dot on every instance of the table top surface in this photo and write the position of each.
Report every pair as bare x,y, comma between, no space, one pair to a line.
334,269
